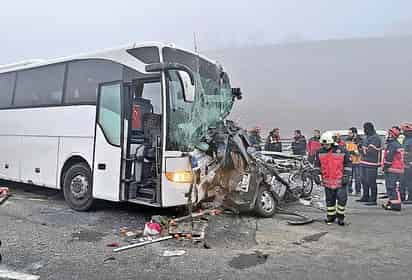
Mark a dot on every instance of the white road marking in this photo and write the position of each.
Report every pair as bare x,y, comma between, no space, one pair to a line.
14,275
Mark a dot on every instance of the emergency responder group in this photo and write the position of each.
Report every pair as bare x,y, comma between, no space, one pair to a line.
354,161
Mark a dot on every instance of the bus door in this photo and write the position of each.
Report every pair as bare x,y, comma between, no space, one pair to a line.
143,110
108,142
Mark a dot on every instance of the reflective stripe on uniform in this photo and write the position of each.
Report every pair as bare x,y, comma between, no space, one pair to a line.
340,209
331,210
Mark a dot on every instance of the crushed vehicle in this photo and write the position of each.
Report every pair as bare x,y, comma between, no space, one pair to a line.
249,180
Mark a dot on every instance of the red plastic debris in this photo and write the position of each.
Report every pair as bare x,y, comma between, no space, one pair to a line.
4,194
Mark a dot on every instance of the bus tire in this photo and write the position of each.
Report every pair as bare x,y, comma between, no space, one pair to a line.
77,187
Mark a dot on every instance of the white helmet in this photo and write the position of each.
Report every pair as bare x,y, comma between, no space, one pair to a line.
327,138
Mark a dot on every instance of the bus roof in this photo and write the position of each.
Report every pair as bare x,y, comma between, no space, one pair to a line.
117,54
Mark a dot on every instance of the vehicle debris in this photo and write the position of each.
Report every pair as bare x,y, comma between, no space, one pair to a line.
247,180
4,194
175,253
152,229
113,245
140,244
109,259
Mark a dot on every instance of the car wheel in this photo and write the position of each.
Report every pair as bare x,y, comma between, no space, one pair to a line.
77,187
307,186
266,203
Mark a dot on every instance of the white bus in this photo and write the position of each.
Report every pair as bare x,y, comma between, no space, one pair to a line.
118,124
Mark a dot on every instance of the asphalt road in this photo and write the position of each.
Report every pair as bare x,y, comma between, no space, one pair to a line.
42,237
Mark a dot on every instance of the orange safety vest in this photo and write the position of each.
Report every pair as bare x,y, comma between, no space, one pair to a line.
353,149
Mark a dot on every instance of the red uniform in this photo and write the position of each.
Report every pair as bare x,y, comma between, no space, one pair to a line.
335,168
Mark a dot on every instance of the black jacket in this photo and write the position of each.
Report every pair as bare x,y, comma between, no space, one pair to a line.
371,151
299,146
407,146
273,144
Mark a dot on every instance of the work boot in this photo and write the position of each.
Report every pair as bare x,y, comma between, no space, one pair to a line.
330,220
392,207
341,222
363,199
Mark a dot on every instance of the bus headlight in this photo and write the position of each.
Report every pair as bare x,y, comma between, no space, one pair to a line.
180,176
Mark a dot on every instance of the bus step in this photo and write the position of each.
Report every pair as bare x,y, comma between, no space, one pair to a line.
149,193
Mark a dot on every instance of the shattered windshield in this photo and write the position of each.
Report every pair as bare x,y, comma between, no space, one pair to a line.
188,120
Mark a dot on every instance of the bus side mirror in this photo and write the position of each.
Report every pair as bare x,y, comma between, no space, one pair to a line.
237,93
158,67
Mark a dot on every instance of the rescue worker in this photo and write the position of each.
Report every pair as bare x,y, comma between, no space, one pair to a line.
370,161
273,143
313,145
352,146
299,144
254,137
393,166
333,164
339,141
406,183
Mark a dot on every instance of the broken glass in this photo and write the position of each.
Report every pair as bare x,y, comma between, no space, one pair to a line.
188,121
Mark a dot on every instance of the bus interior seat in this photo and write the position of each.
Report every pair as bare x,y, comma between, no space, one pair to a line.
144,107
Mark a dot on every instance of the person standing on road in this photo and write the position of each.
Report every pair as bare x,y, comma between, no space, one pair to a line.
313,145
254,137
299,144
370,161
333,164
393,166
273,143
339,141
406,183
352,146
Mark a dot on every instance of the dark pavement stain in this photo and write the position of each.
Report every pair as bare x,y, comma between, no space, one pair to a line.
87,235
248,260
314,237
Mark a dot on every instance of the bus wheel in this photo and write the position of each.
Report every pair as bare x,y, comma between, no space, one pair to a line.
77,187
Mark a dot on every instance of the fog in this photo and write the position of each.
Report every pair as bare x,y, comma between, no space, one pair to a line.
49,28
301,64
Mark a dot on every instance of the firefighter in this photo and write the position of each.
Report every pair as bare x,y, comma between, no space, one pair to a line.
299,144
333,164
406,184
313,145
352,146
370,161
393,166
273,143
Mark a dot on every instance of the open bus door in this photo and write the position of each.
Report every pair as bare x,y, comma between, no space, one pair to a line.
143,144
108,142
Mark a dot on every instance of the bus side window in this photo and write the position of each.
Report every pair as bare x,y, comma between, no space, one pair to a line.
110,112
6,89
40,86
152,91
84,77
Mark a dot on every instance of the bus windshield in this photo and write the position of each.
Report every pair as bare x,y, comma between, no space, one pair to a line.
188,120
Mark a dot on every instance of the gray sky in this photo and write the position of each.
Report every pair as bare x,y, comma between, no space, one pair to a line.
50,28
